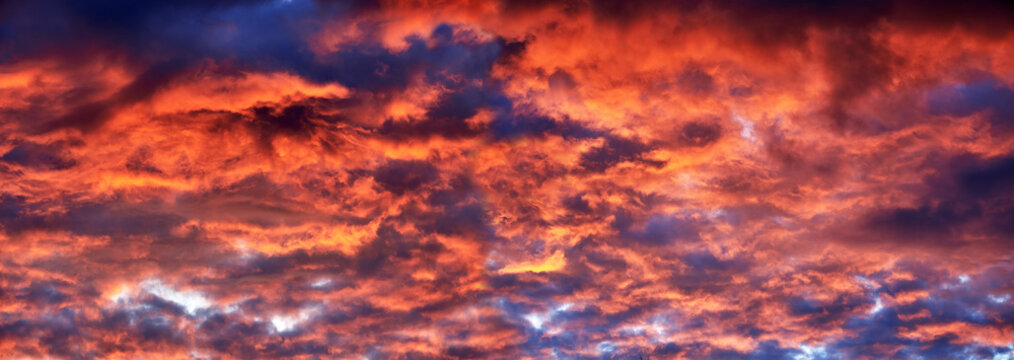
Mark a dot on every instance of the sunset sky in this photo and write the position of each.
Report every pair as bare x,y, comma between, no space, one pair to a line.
577,179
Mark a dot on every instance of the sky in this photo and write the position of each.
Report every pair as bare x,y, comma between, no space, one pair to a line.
453,179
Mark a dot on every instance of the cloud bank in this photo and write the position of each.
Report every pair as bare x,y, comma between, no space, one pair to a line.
579,179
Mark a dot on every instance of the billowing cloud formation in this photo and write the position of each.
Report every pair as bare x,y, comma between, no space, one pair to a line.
525,179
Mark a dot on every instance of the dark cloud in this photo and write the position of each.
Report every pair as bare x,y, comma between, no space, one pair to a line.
447,117
140,162
705,272
988,177
400,176
613,151
562,81
42,294
292,120
988,95
966,191
696,81
577,204
698,134
470,219
902,286
388,249
624,13
925,224
101,219
856,65
818,313
741,91
42,156
766,350
374,68
94,218
663,230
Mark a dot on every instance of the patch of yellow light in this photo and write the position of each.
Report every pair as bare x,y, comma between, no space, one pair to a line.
345,238
549,264
17,79
116,292
122,182
423,275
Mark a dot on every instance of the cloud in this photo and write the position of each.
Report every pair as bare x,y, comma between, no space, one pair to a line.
613,151
48,156
566,179
400,176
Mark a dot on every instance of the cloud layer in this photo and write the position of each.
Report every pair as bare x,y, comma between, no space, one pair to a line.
306,179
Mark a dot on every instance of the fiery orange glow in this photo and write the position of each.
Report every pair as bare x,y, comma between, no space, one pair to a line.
576,179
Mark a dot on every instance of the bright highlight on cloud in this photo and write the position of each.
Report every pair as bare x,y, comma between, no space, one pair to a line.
711,179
